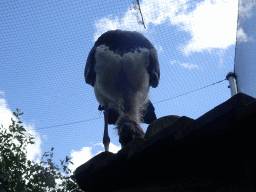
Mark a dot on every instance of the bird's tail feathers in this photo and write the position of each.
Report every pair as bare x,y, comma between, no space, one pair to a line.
130,117
132,104
128,129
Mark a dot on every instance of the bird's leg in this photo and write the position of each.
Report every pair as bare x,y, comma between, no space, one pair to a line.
106,139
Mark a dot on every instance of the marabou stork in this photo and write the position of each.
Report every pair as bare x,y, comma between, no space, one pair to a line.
121,67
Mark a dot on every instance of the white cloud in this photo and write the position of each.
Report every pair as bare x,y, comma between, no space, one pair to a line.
81,157
212,24
185,65
2,93
189,66
128,22
33,151
241,36
114,148
106,24
155,12
173,62
159,48
5,113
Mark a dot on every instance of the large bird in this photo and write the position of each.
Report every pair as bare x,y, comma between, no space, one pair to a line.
121,67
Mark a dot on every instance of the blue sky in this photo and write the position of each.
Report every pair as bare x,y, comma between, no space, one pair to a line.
43,52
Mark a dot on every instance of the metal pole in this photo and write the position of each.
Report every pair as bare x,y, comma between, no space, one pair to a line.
231,77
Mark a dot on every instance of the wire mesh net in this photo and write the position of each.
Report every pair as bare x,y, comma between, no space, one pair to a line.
45,44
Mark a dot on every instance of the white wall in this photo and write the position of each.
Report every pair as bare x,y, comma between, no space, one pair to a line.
245,60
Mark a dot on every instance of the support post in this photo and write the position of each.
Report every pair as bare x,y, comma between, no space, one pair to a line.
231,77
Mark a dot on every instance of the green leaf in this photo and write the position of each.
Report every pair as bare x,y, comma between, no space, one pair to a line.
22,129
23,174
9,135
13,144
67,159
